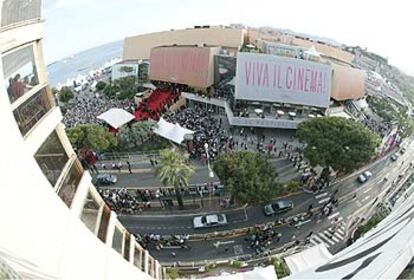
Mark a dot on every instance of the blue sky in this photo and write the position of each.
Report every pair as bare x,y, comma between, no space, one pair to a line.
384,27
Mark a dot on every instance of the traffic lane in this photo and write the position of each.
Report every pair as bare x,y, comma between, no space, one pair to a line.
149,179
239,218
349,184
230,247
375,185
208,249
166,225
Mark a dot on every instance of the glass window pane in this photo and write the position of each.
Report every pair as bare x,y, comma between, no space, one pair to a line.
52,158
70,184
14,11
90,213
32,110
138,258
117,240
20,73
103,227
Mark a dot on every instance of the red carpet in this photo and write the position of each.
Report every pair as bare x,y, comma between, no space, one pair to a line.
152,107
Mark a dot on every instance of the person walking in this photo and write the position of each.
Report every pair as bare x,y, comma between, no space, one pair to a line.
129,167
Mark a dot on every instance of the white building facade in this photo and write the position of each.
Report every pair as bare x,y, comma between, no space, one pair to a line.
55,225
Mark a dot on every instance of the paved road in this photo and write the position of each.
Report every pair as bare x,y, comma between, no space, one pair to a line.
144,175
348,209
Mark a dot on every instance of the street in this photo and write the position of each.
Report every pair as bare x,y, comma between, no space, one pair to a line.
353,198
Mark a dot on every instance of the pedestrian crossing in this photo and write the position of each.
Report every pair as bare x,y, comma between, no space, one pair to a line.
330,237
323,197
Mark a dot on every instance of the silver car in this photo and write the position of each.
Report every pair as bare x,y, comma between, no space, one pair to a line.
213,220
277,207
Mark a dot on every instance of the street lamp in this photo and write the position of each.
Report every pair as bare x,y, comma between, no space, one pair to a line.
210,172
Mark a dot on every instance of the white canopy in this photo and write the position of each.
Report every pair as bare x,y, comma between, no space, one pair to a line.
116,117
149,85
259,273
313,52
308,258
170,131
340,114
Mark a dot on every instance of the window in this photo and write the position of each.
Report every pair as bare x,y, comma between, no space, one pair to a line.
127,246
52,158
31,111
118,240
103,227
20,72
90,212
139,257
69,185
14,11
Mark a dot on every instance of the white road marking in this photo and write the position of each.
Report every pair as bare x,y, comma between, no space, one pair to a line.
337,235
367,190
335,239
337,221
314,242
321,195
320,241
326,237
333,215
341,231
365,198
324,200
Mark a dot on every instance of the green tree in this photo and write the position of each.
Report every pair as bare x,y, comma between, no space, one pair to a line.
173,170
91,136
122,88
248,177
126,69
281,268
65,94
111,90
136,135
100,85
337,142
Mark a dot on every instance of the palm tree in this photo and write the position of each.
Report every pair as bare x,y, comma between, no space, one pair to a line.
173,170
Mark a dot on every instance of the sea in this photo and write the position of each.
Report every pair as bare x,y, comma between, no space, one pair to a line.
64,71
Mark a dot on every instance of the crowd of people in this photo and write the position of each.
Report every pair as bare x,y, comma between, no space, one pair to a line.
159,242
84,108
263,237
208,129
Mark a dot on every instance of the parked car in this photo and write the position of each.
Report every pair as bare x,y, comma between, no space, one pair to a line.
362,178
402,151
277,207
219,190
206,221
105,179
394,157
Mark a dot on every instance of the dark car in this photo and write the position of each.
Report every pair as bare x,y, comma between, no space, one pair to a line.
394,157
105,179
277,207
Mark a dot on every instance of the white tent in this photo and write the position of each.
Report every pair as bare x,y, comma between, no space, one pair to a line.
340,114
313,52
116,117
259,273
308,258
173,132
